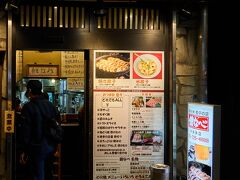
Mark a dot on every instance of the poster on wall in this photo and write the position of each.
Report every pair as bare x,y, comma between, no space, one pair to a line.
72,64
203,141
143,70
75,84
128,119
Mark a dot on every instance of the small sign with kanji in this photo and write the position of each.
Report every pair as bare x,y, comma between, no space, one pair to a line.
9,122
38,70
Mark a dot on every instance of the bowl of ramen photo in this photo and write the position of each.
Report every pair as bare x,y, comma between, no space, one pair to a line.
147,66
112,66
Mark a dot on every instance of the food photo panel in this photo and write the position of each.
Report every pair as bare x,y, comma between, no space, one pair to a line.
147,65
112,65
198,171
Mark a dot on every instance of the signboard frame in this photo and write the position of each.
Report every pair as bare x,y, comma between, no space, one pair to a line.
40,70
203,150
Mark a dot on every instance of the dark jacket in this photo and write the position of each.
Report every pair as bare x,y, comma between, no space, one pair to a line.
33,131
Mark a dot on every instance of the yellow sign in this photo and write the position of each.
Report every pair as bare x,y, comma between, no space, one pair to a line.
75,84
9,122
72,64
36,70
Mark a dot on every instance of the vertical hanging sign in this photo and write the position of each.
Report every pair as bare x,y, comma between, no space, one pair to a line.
9,122
203,141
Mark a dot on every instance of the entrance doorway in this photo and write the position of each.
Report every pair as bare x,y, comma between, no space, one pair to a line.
62,77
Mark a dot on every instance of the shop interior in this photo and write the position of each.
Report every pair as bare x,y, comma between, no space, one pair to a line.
68,100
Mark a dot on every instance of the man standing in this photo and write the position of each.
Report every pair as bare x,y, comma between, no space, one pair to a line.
36,149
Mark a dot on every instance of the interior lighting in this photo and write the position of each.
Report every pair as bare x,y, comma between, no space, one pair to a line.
53,81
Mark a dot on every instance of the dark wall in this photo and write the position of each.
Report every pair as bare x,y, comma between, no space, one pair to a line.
60,39
223,89
223,84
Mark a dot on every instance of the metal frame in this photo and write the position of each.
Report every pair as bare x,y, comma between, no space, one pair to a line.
9,137
172,99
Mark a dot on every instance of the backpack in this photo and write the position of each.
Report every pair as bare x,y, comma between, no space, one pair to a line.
53,131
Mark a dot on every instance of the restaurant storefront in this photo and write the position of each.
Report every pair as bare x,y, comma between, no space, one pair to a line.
116,59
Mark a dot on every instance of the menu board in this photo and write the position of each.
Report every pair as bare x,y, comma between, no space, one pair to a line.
202,123
128,119
72,64
142,70
75,84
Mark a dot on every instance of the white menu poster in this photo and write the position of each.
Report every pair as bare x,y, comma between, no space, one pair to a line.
202,133
128,119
